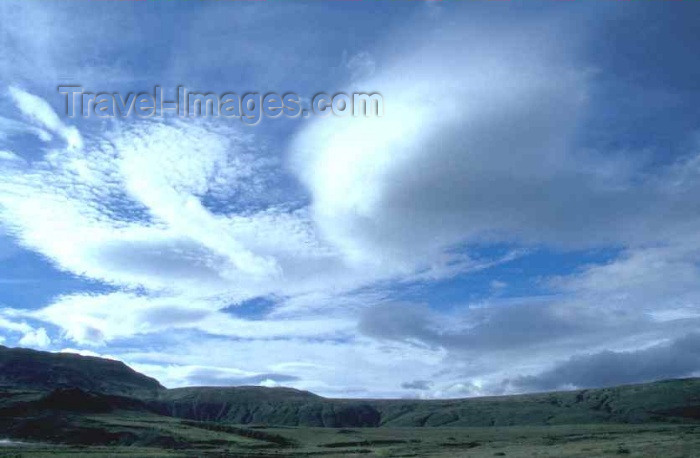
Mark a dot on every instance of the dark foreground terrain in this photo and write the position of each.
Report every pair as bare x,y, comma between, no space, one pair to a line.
207,439
70,405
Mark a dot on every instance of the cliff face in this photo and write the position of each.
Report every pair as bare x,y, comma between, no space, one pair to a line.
281,406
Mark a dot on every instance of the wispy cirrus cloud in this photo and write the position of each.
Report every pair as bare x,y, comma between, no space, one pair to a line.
37,111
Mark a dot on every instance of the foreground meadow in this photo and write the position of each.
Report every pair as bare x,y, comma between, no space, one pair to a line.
186,438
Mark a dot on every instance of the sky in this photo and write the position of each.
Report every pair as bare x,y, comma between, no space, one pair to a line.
524,217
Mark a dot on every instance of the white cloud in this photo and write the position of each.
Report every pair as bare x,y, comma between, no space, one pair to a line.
129,212
464,138
167,207
39,112
657,281
477,145
7,321
11,127
300,363
97,319
9,156
37,338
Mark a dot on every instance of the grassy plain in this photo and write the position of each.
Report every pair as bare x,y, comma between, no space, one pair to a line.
175,437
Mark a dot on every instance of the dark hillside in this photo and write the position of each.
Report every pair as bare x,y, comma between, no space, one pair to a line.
281,406
671,400
39,370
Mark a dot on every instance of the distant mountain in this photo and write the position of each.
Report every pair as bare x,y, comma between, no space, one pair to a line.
39,370
34,382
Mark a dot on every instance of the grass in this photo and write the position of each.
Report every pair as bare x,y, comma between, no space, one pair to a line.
209,439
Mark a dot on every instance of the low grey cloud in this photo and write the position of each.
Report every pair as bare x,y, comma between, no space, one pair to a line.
402,322
483,346
164,316
494,328
678,358
417,385
218,377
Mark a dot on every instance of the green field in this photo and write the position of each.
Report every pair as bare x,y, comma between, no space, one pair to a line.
175,437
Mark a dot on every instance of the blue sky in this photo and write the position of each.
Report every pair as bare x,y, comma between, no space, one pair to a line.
524,217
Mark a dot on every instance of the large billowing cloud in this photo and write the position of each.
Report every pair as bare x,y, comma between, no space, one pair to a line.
474,146
478,145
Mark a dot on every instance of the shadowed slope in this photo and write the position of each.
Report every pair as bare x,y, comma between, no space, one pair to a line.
39,370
